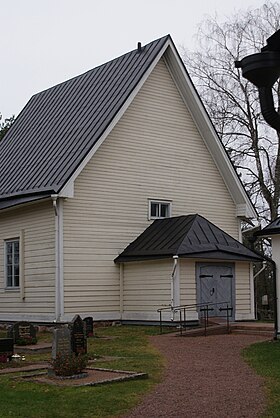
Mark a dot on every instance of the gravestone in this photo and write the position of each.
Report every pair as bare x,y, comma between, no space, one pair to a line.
61,342
6,349
89,326
23,333
78,335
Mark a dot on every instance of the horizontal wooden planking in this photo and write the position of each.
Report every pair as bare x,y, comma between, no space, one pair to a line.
242,294
89,271
155,151
14,309
244,311
40,292
187,282
138,286
147,298
99,287
92,303
143,308
33,257
84,306
242,291
147,285
38,224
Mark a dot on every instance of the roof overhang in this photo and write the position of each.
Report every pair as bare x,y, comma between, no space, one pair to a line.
15,201
189,236
214,255
273,228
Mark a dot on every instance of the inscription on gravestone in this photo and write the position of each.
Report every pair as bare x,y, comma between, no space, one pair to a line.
89,326
23,333
78,335
61,342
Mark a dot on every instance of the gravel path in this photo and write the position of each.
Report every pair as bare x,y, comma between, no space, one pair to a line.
205,377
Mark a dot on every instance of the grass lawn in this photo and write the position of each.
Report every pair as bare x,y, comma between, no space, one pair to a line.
131,346
265,359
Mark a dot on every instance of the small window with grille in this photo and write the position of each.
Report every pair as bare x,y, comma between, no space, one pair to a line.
159,209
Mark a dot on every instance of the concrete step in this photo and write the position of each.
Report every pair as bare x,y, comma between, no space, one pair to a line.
253,327
263,333
210,330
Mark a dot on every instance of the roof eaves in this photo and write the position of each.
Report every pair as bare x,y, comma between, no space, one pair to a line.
6,204
267,232
135,257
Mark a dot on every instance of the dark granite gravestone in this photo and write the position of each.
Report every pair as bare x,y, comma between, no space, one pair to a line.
89,326
6,349
78,335
61,342
23,333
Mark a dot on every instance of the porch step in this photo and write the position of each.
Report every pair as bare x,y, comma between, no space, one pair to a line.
253,329
210,330
268,334
265,330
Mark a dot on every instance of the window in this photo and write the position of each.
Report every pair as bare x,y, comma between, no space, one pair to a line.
12,263
159,209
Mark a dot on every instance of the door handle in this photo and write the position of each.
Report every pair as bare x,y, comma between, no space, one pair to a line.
212,291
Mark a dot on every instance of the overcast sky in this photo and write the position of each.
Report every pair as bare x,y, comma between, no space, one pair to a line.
44,42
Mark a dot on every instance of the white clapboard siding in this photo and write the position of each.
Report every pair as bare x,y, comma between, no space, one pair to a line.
156,152
37,224
147,285
243,290
187,282
188,287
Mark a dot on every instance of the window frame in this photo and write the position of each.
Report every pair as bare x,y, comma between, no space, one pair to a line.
12,286
159,202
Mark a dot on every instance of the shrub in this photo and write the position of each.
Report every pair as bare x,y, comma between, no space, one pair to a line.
69,365
3,358
26,341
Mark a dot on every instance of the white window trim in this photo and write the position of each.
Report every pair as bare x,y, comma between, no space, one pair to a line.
159,201
11,288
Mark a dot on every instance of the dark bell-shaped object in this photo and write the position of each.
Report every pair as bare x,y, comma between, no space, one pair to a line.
263,70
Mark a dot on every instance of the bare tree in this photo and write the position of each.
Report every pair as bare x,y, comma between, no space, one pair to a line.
233,103
5,126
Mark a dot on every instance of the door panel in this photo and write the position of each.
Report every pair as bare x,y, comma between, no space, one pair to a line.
215,285
208,289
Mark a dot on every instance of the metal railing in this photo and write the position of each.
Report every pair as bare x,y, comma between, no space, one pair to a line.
204,308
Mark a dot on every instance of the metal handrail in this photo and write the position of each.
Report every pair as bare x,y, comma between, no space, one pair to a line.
204,307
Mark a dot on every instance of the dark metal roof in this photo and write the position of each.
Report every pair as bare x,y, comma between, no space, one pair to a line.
59,126
15,201
271,229
189,236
